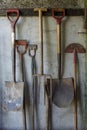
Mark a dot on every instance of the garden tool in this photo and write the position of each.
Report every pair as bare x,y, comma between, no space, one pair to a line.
21,53
13,96
42,75
63,92
84,115
75,48
32,54
85,26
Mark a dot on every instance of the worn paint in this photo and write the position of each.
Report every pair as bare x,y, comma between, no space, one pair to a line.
13,96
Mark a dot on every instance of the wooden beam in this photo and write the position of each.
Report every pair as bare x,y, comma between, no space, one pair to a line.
30,12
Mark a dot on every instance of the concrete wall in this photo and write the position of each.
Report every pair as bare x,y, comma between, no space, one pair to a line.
27,28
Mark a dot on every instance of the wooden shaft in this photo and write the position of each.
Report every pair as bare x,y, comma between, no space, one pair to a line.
47,112
33,127
13,53
13,24
24,100
40,10
58,38
75,92
59,49
41,39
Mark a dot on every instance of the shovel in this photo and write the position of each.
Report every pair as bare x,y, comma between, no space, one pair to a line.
13,97
19,44
63,92
75,48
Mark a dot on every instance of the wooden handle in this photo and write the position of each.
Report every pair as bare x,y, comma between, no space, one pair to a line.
9,13
21,43
75,90
40,10
58,17
13,22
58,39
59,49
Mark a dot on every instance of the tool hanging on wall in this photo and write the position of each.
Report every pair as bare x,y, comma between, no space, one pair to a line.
85,33
42,75
13,96
21,52
75,48
32,54
85,26
63,92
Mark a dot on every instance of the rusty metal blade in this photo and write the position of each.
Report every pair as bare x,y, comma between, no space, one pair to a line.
63,92
79,48
13,96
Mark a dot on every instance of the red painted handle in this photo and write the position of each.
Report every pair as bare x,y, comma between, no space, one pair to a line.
75,56
9,13
58,18
21,43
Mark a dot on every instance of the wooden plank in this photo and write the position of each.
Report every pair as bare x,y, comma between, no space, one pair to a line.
30,12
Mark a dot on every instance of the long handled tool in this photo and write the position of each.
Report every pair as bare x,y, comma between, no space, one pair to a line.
85,26
45,76
14,90
63,93
74,48
32,54
22,43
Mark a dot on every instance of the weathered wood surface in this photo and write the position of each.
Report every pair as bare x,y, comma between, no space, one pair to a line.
31,12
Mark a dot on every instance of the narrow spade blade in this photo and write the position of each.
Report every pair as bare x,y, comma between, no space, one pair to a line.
63,92
13,96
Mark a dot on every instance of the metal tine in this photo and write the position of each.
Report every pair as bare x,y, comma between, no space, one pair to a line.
33,103
38,91
48,89
32,53
45,79
45,85
50,96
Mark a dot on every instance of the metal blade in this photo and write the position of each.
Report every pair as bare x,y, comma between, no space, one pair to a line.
63,92
13,96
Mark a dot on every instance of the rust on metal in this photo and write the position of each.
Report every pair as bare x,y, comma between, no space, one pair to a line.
79,48
75,48
13,96
64,92
21,43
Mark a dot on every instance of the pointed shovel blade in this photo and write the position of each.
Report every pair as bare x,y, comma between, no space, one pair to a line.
13,96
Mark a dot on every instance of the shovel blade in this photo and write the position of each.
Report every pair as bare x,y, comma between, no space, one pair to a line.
63,92
13,96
